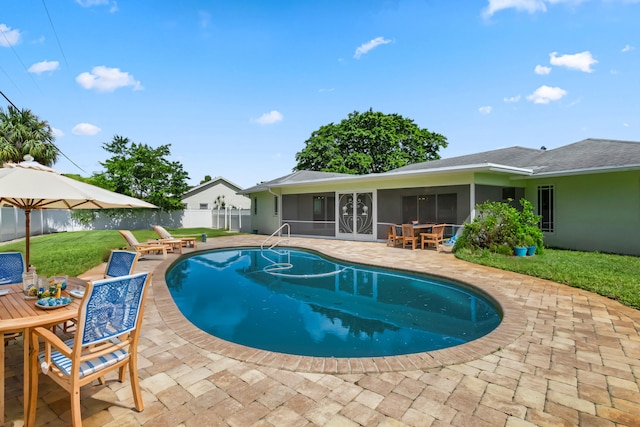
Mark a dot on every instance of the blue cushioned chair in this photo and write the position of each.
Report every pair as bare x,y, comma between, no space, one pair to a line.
121,263
106,339
11,267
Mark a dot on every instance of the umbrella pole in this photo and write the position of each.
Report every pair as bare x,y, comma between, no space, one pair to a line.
27,226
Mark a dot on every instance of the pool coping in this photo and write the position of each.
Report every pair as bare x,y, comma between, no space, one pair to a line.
512,326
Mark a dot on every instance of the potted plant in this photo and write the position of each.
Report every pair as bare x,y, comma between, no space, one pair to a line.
530,243
519,243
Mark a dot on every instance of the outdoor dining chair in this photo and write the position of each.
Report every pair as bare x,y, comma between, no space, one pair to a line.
11,267
394,236
436,237
108,330
409,236
120,263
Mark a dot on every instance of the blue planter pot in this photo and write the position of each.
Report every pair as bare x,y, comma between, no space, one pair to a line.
531,250
520,251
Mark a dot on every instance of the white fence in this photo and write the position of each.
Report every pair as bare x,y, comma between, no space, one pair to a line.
12,221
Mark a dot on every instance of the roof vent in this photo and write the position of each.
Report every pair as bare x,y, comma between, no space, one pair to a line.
543,148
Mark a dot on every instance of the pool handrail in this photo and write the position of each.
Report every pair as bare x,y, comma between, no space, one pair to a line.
279,233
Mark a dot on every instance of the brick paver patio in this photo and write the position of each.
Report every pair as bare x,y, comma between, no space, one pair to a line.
561,357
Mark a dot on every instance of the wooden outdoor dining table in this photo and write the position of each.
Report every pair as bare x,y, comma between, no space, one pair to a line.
18,314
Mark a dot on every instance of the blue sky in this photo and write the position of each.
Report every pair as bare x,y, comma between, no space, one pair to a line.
237,87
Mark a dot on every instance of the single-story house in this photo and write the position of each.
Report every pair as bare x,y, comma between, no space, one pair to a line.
216,193
588,194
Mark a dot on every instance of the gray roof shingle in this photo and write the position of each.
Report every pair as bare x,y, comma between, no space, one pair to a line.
585,154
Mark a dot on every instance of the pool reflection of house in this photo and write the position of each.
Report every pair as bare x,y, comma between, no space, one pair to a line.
370,301
576,189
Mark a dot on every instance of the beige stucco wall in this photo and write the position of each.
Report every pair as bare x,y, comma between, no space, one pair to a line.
266,221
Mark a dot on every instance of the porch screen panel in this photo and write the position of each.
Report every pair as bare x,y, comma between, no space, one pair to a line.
427,209
447,208
409,209
309,214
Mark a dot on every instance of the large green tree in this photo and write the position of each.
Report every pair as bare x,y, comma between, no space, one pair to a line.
21,133
368,142
143,172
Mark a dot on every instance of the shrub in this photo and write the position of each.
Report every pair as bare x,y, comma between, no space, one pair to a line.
499,227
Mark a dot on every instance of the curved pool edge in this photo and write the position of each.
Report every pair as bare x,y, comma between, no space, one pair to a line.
511,327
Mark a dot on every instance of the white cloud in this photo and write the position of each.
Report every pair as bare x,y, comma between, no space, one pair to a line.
580,61
542,70
365,48
8,37
91,3
85,129
57,133
485,110
530,6
105,79
545,94
512,99
270,118
628,48
41,67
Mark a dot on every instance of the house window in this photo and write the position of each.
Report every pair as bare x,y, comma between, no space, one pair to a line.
204,205
545,207
275,205
255,206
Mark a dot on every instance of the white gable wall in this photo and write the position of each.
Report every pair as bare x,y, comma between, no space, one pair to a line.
209,196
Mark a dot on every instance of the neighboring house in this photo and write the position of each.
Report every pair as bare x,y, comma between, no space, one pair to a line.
588,194
211,194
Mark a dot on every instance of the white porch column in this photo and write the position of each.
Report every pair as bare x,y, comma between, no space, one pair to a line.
472,201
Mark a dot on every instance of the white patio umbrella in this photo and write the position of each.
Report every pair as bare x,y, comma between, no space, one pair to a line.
29,185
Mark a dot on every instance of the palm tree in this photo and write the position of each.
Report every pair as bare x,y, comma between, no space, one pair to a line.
21,133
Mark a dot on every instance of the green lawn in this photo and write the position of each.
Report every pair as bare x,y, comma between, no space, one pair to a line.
73,253
614,276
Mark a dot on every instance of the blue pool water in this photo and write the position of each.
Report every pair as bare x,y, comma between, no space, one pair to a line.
299,302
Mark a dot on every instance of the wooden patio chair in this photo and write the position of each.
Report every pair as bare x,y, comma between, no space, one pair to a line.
152,247
394,236
165,235
436,237
409,236
106,339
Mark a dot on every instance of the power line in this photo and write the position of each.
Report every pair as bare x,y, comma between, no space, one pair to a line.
20,60
55,33
59,150
8,100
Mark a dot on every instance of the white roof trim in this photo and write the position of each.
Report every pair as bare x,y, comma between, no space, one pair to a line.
481,167
601,169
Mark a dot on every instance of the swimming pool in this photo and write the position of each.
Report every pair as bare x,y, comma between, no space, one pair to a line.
307,304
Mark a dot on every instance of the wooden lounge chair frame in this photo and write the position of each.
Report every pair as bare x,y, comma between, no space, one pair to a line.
165,235
152,247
